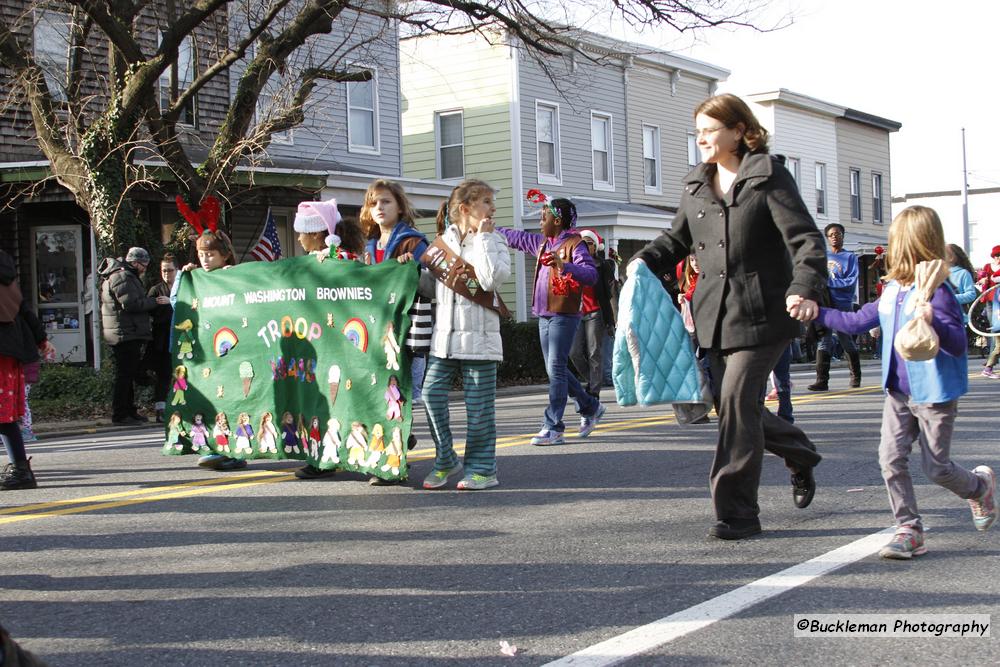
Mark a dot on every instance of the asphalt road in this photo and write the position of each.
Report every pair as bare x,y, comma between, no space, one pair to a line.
126,557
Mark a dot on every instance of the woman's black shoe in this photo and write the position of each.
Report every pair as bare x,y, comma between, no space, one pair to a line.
735,529
803,487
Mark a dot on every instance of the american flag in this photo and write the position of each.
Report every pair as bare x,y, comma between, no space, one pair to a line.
268,246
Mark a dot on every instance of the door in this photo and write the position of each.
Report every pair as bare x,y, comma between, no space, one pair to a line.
58,274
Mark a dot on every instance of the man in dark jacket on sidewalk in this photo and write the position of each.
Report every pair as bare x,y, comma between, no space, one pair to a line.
125,313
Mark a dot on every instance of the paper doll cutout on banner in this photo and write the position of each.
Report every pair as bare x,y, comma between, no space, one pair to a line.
221,432
267,436
331,442
175,429
185,340
180,385
199,434
289,436
244,434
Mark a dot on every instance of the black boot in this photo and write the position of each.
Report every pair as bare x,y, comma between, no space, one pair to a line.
854,364
822,382
16,476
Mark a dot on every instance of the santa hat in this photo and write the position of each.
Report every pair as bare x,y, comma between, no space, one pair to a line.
592,236
995,251
317,216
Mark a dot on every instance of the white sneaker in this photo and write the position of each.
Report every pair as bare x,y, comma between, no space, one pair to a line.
984,507
547,437
588,424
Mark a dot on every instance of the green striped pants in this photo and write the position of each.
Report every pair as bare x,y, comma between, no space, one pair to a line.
479,379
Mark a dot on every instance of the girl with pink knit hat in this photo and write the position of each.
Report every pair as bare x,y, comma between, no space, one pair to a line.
324,232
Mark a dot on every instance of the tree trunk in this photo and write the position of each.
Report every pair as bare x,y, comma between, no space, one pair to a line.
112,214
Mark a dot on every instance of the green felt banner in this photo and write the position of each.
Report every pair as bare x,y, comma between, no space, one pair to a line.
294,359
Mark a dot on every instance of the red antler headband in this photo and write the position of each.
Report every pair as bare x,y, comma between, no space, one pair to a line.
206,217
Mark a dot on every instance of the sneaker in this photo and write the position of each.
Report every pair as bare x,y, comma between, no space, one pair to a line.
312,472
228,464
477,482
988,373
588,424
439,478
378,481
547,437
905,544
28,435
984,507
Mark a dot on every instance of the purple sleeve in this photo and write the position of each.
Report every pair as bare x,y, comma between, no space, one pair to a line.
520,239
852,323
948,322
583,267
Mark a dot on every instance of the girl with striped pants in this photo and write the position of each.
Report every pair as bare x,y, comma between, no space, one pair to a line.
466,340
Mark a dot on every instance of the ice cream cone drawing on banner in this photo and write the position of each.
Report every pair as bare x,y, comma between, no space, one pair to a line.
289,437
357,444
394,452
221,432
246,375
376,445
332,442
244,434
267,435
333,378
391,348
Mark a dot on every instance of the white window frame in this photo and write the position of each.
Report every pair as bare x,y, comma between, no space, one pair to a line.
794,167
877,216
439,146
821,203
609,146
694,155
543,178
375,149
854,180
51,61
658,171
164,78
285,137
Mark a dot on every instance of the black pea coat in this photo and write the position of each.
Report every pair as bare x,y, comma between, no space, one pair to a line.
755,247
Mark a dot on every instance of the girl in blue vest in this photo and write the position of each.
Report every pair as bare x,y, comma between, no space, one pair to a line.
921,397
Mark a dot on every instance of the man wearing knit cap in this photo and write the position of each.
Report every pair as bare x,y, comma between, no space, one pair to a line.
316,223
125,319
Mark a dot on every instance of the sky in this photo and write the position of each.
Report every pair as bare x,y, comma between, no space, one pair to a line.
932,66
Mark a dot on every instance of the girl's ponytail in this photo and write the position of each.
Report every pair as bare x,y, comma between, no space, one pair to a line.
442,216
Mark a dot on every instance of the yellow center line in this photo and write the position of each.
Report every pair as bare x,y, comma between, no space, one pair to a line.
200,487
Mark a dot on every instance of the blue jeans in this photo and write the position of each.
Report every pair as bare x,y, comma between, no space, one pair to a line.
556,335
783,384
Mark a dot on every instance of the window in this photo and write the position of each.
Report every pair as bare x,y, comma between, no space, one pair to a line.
451,144
600,143
270,103
855,194
795,169
547,137
877,198
820,188
51,45
651,158
175,80
694,155
362,115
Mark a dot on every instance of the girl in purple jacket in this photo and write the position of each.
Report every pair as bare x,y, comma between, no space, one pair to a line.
563,267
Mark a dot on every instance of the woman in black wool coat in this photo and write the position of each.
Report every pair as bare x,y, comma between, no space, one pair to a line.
763,265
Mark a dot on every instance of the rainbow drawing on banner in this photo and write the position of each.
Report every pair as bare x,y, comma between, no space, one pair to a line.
357,333
224,340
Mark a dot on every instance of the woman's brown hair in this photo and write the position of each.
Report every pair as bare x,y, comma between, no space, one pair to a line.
406,213
732,111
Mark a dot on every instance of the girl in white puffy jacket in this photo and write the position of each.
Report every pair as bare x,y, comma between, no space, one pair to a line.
466,339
